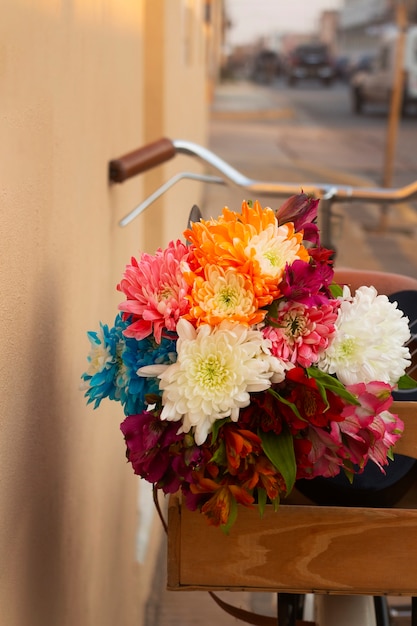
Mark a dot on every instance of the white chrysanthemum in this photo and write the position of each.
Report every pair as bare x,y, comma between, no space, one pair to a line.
273,248
216,370
369,342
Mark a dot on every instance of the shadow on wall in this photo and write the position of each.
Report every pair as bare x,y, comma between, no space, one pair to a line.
35,505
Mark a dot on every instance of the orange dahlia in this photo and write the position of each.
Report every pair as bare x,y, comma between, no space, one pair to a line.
223,294
250,242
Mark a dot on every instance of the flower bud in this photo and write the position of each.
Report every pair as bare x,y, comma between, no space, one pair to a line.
300,209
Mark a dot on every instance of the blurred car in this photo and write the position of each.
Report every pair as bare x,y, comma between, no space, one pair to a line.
363,64
374,85
342,68
266,66
310,61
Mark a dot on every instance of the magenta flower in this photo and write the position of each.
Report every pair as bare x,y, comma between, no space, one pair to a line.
307,282
156,292
301,209
157,453
148,440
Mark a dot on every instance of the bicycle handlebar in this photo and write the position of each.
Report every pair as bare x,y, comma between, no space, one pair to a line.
164,149
140,160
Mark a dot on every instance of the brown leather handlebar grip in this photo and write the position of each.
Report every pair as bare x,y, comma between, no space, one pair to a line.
141,160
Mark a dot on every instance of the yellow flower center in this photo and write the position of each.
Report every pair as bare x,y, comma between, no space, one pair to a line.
309,404
273,257
347,347
210,373
228,298
295,324
165,293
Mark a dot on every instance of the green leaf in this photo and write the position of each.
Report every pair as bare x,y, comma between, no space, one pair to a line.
336,290
219,456
217,425
332,384
349,470
288,403
262,498
349,476
275,503
280,451
273,309
406,382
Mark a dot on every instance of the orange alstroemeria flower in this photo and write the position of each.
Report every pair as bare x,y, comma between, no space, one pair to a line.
238,445
268,478
217,508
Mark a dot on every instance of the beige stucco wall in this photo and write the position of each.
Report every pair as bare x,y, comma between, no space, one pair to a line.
82,82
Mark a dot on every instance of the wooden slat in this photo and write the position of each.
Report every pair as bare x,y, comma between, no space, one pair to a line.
407,411
301,548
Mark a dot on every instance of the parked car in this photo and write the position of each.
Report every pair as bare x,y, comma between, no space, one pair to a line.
375,85
341,68
266,66
310,61
363,64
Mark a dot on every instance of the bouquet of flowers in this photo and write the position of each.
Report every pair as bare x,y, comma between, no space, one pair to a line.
241,366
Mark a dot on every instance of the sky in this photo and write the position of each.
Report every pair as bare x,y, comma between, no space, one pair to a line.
252,19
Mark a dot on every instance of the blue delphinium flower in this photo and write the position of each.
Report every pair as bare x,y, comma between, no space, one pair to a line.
113,362
136,354
104,362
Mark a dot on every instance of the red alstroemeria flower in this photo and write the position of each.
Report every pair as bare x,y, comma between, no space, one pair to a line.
302,449
263,412
304,393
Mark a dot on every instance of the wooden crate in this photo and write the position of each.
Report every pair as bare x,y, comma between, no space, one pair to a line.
301,548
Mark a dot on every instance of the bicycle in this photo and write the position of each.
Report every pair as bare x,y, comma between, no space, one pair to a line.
165,149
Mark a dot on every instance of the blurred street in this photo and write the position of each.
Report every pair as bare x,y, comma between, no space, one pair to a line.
309,135
303,135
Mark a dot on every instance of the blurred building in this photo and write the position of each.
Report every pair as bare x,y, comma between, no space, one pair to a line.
362,21
83,82
328,30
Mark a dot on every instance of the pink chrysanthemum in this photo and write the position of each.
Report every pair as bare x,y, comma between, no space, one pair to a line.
301,333
156,291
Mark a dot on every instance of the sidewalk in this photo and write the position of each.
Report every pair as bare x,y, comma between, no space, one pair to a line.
249,126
